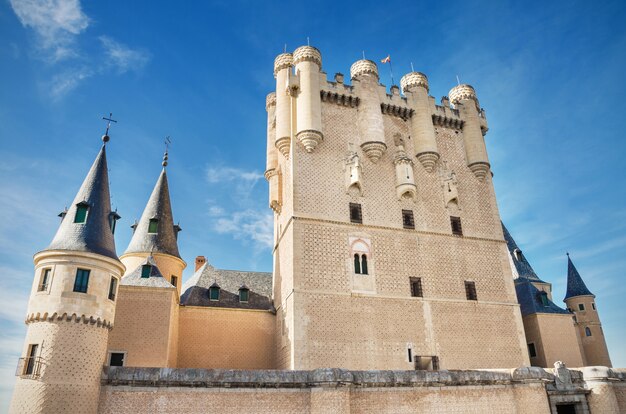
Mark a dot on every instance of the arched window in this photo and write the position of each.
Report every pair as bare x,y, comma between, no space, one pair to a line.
587,331
364,264
357,264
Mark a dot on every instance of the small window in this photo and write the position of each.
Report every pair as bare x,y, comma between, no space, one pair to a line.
455,223
416,287
587,331
364,264
112,288
153,226
244,294
214,293
581,307
82,280
531,350
146,270
355,213
174,280
357,264
113,217
81,213
410,354
29,367
470,290
45,279
117,359
593,305
408,221
544,298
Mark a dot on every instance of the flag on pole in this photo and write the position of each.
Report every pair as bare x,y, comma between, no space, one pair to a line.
386,60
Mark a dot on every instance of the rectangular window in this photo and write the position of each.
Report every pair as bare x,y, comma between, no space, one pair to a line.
45,279
407,219
145,270
355,213
410,351
416,287
470,290
244,295
82,280
81,213
581,307
29,367
153,226
593,305
435,363
531,350
174,280
112,288
544,299
214,293
455,223
117,359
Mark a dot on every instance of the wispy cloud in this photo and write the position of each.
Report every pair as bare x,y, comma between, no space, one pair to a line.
249,225
216,175
56,22
122,57
65,82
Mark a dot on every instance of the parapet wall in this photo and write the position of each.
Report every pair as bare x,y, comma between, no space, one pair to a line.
522,390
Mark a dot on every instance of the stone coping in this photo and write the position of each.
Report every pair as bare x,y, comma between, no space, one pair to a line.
335,377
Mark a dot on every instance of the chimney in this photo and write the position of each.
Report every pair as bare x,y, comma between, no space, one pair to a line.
200,260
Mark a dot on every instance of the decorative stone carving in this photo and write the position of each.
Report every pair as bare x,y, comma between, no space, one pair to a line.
463,92
449,184
428,160
309,139
563,377
284,146
307,53
374,150
270,100
480,170
353,173
363,66
414,79
274,177
282,61
405,180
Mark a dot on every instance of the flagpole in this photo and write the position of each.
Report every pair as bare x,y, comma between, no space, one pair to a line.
391,72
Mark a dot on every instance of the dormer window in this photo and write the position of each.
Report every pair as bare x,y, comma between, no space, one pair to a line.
113,218
544,298
518,254
177,229
81,212
153,226
146,270
244,294
214,292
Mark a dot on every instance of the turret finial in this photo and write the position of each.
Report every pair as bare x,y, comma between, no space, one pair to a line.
167,141
105,137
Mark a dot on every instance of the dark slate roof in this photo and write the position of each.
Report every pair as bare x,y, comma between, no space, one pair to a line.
524,269
156,279
196,289
575,284
93,236
529,298
159,207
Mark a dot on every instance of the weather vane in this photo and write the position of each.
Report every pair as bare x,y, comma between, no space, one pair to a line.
168,142
105,137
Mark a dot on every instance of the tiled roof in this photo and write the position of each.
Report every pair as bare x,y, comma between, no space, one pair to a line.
522,266
575,284
94,235
196,289
158,207
156,279
529,298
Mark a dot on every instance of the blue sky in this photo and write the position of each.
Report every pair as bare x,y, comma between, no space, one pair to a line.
549,74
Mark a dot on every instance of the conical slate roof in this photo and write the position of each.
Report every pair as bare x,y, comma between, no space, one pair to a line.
524,269
94,235
159,208
575,284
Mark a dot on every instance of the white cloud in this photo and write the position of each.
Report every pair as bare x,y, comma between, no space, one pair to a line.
65,82
216,175
122,57
249,225
56,22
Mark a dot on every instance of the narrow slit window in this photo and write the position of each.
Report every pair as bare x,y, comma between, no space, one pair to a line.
45,280
174,280
357,264
81,213
153,226
587,331
364,264
593,305
356,215
455,223
82,280
146,270
112,288
532,352
416,287
470,290
410,354
408,222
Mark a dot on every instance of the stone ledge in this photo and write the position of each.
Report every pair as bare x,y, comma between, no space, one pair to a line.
325,377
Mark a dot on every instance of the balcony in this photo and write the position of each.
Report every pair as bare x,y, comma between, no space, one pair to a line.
29,367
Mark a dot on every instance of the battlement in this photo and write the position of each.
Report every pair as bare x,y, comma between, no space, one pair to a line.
363,66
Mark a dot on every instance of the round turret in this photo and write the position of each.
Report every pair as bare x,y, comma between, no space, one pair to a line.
462,92
307,53
270,100
414,79
282,61
363,66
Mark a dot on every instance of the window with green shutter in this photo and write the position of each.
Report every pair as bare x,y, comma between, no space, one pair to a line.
81,213
82,280
145,270
153,226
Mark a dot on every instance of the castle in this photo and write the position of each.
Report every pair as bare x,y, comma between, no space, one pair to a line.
391,267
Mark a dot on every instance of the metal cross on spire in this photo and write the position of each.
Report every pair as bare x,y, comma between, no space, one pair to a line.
105,137
168,142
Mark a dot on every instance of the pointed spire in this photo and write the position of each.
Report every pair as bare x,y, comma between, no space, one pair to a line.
575,284
87,225
523,267
155,232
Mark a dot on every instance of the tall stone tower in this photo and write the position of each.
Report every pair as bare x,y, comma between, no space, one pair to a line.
389,252
72,305
581,302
